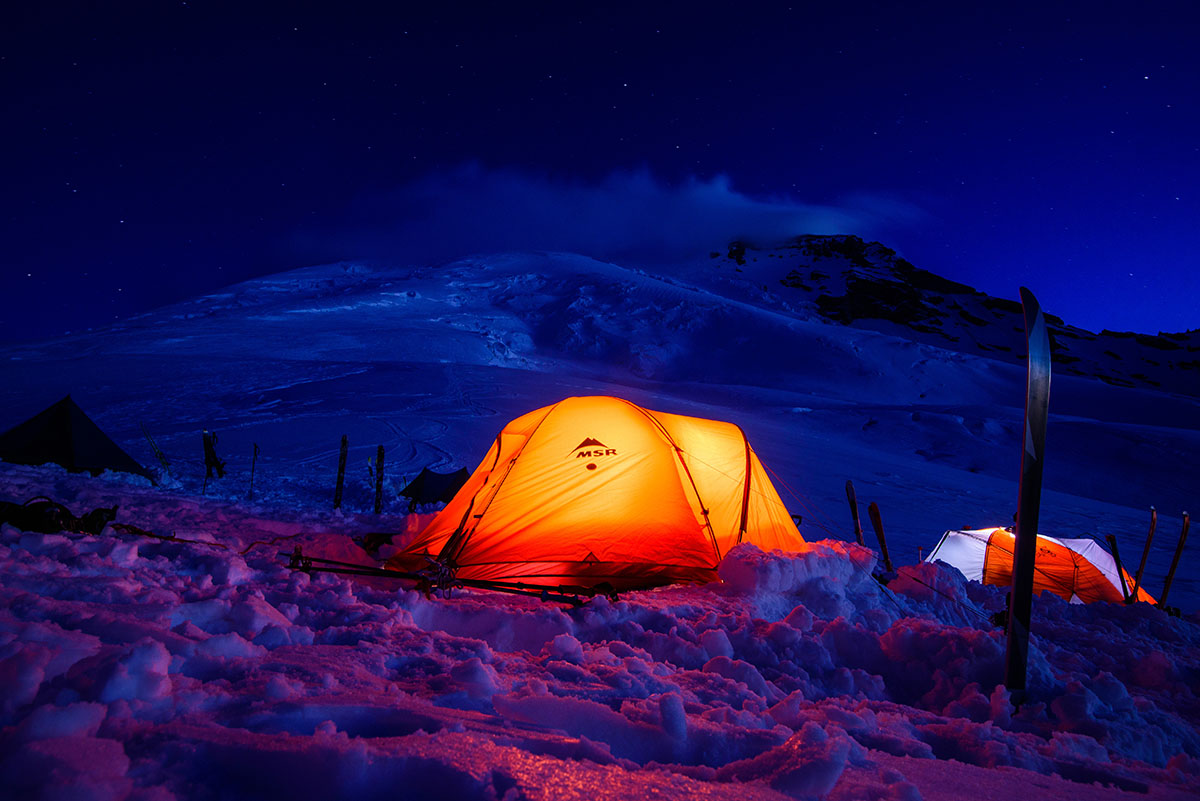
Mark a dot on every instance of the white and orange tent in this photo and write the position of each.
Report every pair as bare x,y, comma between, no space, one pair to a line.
1077,570
598,490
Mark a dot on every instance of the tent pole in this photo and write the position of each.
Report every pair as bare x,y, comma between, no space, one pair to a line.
1112,546
1137,580
1162,601
854,511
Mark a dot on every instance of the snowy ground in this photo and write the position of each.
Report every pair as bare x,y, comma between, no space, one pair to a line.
146,669
141,668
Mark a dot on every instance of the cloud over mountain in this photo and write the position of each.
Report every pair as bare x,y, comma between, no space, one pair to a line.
473,208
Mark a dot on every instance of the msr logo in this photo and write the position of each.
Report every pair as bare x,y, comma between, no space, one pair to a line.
591,448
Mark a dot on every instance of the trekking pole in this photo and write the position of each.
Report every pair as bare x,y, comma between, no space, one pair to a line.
341,473
1137,580
1162,601
379,480
854,511
1112,545
877,522
253,462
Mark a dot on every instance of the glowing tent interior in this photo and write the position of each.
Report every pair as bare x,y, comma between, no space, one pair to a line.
598,489
1077,570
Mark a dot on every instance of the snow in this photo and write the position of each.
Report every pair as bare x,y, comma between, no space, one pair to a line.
797,676
199,666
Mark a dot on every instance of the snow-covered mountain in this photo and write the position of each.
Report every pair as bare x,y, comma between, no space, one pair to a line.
154,669
839,359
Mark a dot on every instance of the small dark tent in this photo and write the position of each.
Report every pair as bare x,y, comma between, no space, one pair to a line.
431,487
64,435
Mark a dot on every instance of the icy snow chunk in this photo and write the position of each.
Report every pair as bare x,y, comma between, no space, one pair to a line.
279,688
629,739
40,543
1154,671
22,670
674,718
566,648
478,681
800,619
808,765
1001,706
83,768
233,571
715,642
209,615
252,614
1076,746
124,554
66,647
73,720
229,646
831,579
1078,710
745,673
273,637
141,674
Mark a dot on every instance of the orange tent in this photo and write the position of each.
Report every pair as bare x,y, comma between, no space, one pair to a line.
1077,570
598,489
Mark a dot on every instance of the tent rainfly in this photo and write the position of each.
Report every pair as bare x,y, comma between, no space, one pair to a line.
1077,570
598,490
64,435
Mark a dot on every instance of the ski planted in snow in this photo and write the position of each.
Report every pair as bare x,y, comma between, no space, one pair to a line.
1037,405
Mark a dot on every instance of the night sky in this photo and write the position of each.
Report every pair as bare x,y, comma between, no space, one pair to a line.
156,151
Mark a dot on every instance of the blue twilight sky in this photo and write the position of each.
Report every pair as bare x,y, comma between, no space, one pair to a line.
153,151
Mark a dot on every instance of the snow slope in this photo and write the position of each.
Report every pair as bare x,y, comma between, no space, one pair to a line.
146,668
432,361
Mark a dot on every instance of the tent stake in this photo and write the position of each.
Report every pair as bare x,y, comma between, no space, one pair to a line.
877,522
341,473
379,480
1137,580
1112,546
854,511
1162,601
1029,495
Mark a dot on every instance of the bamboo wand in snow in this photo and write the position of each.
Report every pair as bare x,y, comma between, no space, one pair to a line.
1137,580
877,522
341,473
1162,601
379,480
253,462
854,511
1112,545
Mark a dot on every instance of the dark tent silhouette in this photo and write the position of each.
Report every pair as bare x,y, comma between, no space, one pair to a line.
430,487
64,435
